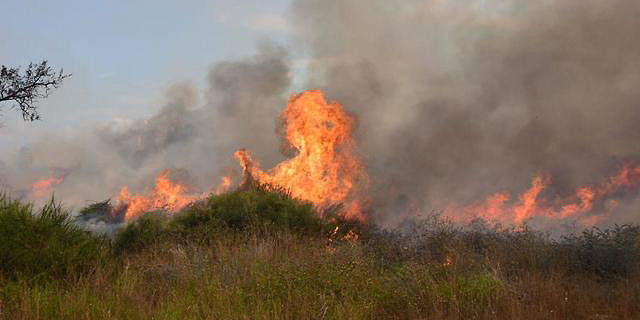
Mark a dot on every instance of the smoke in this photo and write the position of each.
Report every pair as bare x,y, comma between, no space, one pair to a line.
192,134
458,99
455,100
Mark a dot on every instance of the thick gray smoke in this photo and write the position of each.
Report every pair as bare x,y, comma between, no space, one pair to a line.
194,139
455,100
459,99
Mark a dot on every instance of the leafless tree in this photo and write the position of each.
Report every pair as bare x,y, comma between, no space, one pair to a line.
25,88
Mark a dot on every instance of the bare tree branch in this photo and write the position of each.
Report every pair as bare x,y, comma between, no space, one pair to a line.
24,89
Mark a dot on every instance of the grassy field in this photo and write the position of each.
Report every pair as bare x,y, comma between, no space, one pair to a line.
257,254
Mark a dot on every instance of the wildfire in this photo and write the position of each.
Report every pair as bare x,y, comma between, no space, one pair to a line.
529,204
224,185
40,188
325,169
165,196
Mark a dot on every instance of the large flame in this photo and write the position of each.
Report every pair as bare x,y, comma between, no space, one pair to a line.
530,204
325,169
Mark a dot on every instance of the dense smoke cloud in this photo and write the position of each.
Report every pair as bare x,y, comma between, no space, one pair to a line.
454,100
459,99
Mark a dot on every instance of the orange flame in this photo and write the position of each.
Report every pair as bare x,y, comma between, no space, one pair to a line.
448,261
579,205
224,185
165,196
40,188
325,169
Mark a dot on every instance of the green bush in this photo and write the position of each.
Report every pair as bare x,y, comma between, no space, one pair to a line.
44,245
147,230
257,209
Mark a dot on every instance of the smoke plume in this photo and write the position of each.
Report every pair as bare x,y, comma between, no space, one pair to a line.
458,99
455,100
194,139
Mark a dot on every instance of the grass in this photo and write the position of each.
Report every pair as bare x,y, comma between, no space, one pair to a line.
259,254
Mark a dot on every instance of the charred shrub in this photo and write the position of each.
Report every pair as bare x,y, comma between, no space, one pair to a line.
103,211
613,252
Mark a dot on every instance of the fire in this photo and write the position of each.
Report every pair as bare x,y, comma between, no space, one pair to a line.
448,261
165,196
40,188
224,185
325,169
530,204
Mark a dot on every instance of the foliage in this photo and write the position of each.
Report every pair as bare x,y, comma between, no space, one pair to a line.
257,253
251,209
608,253
44,244
144,232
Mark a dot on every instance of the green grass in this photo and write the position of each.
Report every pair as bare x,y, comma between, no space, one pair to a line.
259,254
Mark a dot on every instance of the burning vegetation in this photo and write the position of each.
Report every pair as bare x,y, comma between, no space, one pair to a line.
301,230
324,169
488,168
43,187
165,196
531,205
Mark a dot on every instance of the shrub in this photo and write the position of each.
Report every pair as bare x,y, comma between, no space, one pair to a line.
147,230
103,211
257,209
44,245
608,253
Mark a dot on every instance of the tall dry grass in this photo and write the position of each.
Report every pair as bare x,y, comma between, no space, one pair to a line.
270,270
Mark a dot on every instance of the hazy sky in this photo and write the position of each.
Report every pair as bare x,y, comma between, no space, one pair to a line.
124,54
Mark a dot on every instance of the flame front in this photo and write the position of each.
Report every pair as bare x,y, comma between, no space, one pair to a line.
325,169
165,196
530,204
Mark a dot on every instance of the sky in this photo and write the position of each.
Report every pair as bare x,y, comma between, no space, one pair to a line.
123,54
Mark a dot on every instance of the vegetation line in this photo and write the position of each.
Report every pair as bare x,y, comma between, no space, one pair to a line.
258,253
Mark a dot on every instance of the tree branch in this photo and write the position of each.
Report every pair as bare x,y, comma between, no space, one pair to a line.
25,89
